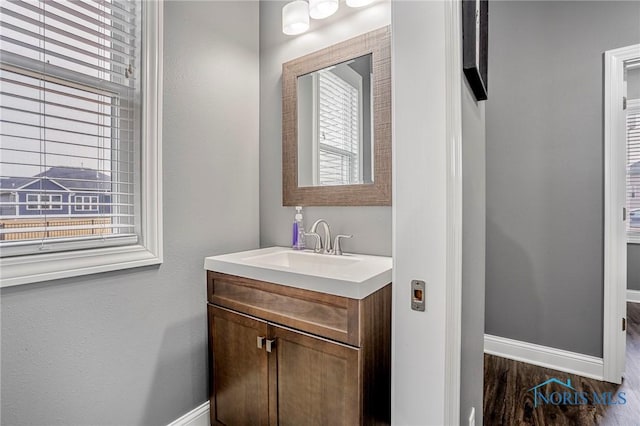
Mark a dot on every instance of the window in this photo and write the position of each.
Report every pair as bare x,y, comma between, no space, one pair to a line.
86,203
79,114
32,201
44,202
633,170
338,130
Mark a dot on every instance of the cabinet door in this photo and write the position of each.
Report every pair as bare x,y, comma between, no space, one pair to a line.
318,381
239,369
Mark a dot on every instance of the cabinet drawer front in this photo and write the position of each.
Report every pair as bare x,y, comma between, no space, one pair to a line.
333,317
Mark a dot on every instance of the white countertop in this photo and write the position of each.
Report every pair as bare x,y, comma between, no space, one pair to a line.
351,275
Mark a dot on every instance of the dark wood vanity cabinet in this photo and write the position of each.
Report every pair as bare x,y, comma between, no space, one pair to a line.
284,356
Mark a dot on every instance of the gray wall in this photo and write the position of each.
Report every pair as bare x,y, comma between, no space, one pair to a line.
129,347
633,250
370,226
473,255
544,279
633,266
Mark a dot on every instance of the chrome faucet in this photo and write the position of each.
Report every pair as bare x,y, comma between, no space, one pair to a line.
324,245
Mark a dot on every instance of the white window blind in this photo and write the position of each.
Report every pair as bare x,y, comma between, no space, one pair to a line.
338,131
633,167
70,124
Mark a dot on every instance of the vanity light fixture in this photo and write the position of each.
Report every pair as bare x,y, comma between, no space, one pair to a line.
358,3
320,9
295,17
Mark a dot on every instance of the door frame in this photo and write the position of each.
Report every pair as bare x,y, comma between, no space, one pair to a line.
453,325
615,238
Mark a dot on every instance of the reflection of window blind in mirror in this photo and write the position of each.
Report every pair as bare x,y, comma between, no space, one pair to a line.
338,131
69,100
633,166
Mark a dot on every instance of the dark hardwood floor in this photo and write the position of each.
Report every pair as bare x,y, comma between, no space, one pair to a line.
508,401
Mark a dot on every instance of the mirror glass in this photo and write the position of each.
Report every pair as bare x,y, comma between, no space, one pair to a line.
335,125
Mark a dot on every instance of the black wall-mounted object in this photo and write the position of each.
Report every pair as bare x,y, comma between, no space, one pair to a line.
475,29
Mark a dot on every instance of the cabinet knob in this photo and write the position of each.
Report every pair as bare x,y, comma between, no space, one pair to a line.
260,341
270,344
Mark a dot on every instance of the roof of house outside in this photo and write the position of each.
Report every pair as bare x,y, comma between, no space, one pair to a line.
73,178
14,183
634,170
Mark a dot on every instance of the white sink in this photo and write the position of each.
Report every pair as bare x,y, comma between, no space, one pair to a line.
351,275
303,260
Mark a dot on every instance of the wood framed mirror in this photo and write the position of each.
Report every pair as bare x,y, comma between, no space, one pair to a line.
336,124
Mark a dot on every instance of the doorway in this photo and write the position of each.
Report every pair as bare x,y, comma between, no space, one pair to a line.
620,200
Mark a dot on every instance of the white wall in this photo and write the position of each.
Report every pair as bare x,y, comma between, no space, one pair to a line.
419,210
130,347
370,226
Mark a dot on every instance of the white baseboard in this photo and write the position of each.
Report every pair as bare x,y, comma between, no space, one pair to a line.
544,356
199,416
633,296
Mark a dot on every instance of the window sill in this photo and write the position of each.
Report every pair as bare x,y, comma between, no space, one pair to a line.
45,267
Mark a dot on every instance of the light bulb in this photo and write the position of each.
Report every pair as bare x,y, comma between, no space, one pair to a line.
358,3
320,9
295,17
